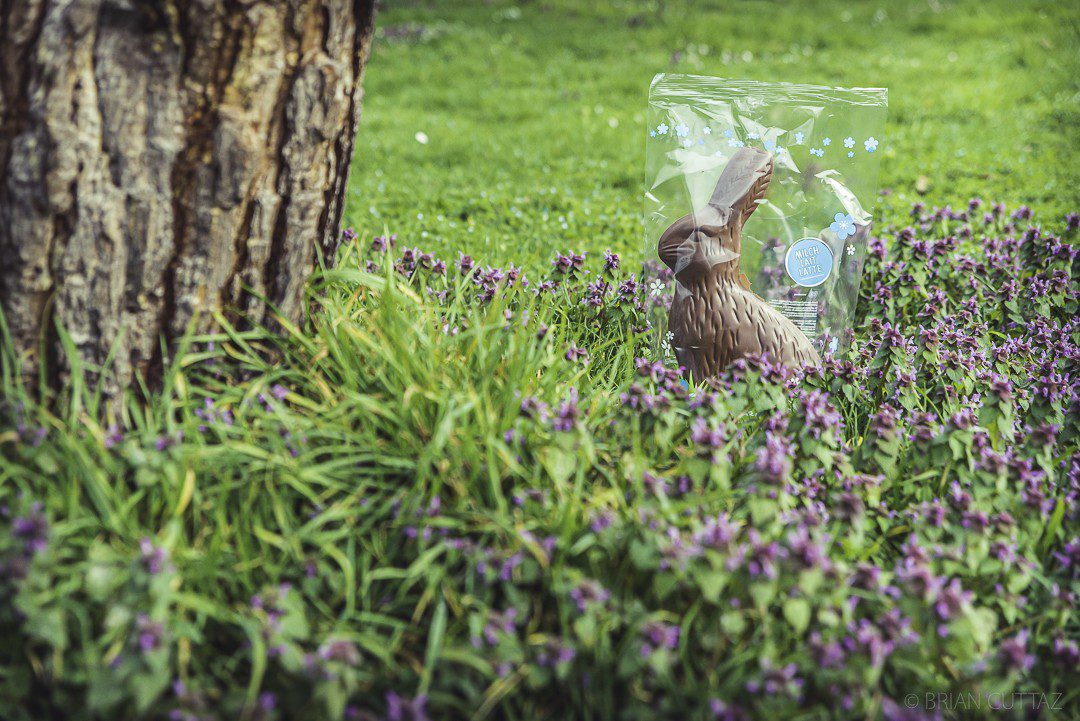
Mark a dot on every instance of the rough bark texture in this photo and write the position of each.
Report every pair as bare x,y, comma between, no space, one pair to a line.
160,157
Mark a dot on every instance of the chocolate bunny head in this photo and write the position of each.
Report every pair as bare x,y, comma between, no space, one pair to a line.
706,243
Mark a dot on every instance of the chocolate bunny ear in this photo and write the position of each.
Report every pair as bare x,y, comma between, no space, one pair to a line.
742,183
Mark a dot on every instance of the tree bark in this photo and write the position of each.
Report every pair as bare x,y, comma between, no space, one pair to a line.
159,158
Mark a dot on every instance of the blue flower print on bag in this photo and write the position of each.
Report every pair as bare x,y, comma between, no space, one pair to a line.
843,225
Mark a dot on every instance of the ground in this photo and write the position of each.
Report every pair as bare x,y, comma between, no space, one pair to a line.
534,112
449,494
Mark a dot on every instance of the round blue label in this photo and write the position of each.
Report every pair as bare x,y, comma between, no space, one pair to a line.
809,262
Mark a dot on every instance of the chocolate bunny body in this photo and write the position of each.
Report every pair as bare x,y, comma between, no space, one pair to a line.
715,318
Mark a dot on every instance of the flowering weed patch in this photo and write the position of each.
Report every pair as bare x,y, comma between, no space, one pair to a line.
461,492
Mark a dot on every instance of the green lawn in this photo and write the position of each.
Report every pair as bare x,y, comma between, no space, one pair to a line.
535,111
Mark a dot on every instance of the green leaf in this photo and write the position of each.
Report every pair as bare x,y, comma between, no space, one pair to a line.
147,687
434,645
559,463
797,613
810,581
1052,527
585,628
644,556
762,593
711,584
733,622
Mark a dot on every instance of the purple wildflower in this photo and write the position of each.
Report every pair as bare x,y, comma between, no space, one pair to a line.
763,555
722,711
809,552
32,529
339,651
1001,387
573,353
534,408
658,635
775,681
1066,654
587,593
717,533
884,422
705,436
155,559
1069,556
951,599
114,436
267,702
400,708
555,652
506,569
601,520
893,711
829,654
820,414
500,622
1013,653
567,414
774,459
569,263
149,633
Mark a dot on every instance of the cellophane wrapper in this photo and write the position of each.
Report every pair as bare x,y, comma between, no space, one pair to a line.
826,144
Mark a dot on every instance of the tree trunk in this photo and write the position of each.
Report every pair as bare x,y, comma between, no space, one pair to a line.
159,158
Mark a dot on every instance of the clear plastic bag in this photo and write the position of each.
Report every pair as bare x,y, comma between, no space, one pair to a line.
792,170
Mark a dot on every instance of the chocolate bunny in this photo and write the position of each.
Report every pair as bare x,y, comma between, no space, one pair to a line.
715,318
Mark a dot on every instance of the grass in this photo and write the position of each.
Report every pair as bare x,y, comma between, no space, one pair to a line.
425,503
535,112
